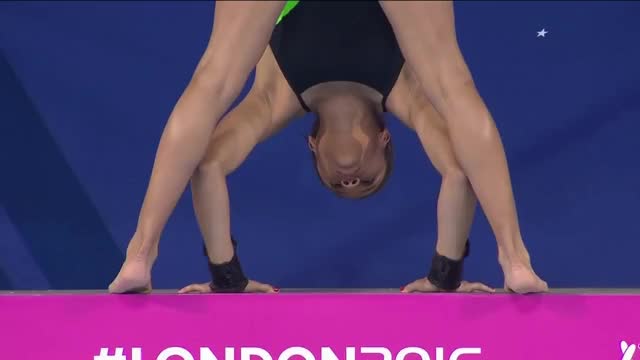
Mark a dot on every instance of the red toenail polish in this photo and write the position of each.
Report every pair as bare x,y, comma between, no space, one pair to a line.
276,289
402,288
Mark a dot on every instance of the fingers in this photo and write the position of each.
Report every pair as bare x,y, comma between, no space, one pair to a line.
485,288
423,285
409,288
420,285
195,289
256,287
252,287
475,287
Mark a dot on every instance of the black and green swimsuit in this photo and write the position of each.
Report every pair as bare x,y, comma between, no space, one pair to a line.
320,41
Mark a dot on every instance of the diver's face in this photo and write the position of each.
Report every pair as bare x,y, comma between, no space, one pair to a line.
351,163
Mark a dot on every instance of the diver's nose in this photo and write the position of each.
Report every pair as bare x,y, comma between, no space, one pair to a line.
347,160
349,183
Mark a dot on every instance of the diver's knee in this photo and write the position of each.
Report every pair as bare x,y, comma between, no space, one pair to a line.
454,176
210,167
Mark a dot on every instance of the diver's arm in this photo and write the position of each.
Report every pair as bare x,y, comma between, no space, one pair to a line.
238,133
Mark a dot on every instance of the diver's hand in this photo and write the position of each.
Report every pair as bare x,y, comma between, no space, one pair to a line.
425,286
252,287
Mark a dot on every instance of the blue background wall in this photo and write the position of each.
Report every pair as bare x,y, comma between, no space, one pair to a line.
85,90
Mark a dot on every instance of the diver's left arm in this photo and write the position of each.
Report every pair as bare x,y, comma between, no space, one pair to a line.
456,200
425,31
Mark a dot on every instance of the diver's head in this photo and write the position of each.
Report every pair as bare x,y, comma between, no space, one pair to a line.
351,147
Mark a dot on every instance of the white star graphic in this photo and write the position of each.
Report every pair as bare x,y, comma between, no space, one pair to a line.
542,33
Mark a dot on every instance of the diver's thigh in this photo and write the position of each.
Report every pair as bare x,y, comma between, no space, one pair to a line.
241,33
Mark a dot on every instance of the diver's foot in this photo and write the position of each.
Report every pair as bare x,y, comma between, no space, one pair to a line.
521,279
134,278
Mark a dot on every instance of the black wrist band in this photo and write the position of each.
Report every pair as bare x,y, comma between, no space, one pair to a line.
445,273
228,277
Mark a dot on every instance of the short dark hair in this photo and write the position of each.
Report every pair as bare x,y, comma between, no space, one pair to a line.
388,157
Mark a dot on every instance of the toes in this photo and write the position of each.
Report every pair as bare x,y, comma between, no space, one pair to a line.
129,286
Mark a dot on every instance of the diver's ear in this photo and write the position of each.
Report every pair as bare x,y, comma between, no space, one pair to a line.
384,137
312,142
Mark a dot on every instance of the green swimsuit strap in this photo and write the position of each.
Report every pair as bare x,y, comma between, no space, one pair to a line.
287,9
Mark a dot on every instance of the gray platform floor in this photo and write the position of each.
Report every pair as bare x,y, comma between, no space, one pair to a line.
584,291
